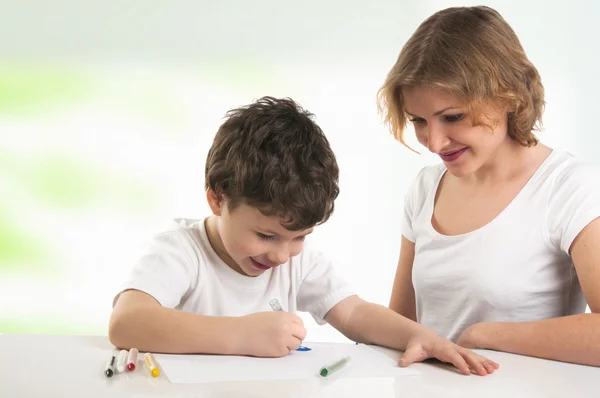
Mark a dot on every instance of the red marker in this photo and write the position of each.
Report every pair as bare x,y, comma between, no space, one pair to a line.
132,359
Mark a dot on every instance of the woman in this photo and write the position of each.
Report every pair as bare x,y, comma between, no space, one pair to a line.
501,242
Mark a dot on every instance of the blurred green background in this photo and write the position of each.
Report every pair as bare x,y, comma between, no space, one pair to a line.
91,161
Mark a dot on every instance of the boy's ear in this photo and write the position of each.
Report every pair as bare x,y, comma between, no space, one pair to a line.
215,201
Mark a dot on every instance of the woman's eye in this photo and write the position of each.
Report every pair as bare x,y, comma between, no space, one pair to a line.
417,120
454,118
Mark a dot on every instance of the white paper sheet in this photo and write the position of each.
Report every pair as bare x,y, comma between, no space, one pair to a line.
366,362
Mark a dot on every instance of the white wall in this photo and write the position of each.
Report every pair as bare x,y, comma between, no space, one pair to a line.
157,79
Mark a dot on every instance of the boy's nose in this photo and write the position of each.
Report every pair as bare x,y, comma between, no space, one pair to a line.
278,257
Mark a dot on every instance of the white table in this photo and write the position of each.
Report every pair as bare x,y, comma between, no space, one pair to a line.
72,366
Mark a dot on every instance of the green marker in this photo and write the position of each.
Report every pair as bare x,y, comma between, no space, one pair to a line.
327,370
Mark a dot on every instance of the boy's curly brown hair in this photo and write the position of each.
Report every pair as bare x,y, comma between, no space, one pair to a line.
272,155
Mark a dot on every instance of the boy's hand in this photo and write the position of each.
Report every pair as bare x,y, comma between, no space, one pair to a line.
271,334
422,347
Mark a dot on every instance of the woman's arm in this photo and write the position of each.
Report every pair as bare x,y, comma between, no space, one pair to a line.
574,338
402,300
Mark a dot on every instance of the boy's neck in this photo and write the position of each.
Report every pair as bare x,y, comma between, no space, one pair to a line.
214,238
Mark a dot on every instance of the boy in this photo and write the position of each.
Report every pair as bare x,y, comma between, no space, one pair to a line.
211,286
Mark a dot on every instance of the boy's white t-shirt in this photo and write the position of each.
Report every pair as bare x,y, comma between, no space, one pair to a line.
181,270
517,268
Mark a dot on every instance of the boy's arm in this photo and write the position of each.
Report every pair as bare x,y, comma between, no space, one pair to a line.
375,324
139,321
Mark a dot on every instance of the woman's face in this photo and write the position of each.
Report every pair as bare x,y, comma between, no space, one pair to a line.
443,125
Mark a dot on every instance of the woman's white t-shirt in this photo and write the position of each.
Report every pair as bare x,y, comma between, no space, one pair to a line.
516,268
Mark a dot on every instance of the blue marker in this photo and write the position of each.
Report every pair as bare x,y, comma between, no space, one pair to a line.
277,307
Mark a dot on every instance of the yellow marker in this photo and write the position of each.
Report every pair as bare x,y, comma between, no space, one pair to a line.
151,362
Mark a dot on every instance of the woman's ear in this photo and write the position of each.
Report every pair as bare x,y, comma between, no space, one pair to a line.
215,201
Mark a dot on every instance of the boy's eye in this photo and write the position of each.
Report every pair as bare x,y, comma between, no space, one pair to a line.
265,237
454,118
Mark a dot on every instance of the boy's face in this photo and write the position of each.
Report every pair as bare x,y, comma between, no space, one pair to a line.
247,240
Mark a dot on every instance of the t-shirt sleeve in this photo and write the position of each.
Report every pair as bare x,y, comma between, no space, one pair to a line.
165,270
321,287
407,226
410,199
574,202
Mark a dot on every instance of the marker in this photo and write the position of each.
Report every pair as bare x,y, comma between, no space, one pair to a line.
132,359
327,370
277,307
109,371
121,361
151,362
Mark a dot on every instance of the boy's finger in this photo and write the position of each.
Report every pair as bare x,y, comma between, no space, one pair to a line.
298,331
294,344
298,320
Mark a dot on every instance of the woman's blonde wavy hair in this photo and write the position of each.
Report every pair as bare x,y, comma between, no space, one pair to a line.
473,54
